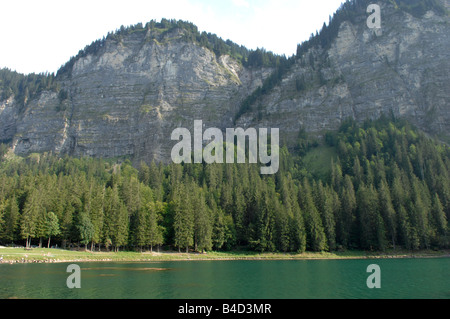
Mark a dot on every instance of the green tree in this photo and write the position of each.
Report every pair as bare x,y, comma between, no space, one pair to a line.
183,218
419,213
86,229
144,173
202,223
51,226
345,223
2,221
218,227
440,223
116,219
316,238
371,232
95,212
285,215
30,214
387,211
155,231
327,203
298,231
11,219
263,239
140,235
239,215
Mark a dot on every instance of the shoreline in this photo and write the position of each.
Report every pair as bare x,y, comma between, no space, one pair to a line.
44,255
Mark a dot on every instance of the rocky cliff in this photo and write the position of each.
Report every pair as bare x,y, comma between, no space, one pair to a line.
401,70
127,97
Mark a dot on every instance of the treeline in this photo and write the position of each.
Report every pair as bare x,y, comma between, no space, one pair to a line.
356,11
401,181
25,87
419,7
388,187
249,58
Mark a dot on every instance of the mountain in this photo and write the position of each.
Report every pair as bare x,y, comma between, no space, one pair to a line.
400,71
122,96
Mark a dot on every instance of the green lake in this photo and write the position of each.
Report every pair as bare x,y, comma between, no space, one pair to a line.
294,279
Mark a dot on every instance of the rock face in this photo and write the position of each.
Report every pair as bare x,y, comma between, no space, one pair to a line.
127,98
402,69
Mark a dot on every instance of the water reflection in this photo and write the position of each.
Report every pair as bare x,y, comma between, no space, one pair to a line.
295,279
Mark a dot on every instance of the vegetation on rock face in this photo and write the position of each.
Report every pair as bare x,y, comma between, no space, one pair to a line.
353,11
188,32
387,186
27,87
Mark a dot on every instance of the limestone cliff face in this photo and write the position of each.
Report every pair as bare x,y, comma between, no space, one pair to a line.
127,98
402,69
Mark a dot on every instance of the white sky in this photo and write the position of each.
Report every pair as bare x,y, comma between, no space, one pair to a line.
41,35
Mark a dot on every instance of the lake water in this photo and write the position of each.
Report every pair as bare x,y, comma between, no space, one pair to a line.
296,279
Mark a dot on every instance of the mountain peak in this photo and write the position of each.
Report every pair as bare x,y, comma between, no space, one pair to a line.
123,95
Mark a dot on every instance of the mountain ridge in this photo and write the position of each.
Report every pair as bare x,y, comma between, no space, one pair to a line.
124,94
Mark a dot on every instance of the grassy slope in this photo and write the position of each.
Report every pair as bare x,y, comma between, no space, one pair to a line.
318,161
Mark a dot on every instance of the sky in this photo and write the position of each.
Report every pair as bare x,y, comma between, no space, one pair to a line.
41,35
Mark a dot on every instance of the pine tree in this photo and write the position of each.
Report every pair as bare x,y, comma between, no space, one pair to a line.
3,205
265,222
11,219
86,229
202,223
144,173
316,238
218,227
404,229
183,223
298,231
358,173
284,216
336,175
440,223
345,222
371,232
419,210
66,224
116,220
239,215
120,237
154,229
387,212
51,226
30,215
327,203
95,212
141,228
130,194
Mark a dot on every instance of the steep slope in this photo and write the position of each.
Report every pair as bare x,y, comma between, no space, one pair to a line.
124,95
400,70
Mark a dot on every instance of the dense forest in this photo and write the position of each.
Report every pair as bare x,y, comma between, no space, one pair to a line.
379,185
373,186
